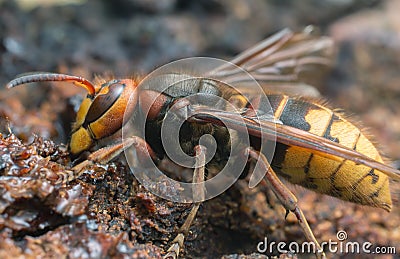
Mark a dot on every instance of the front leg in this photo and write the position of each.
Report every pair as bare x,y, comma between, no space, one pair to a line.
106,154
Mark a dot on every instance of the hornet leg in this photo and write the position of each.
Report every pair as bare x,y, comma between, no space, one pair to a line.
285,196
198,192
108,153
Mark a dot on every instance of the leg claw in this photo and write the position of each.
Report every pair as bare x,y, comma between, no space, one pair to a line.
174,249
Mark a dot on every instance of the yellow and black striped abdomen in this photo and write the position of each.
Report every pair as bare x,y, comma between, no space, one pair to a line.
328,175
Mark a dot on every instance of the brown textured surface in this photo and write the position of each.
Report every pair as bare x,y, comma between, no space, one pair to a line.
106,213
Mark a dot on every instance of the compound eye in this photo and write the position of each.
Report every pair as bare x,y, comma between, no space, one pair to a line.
104,102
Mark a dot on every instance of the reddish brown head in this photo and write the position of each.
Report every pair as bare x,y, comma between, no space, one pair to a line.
101,113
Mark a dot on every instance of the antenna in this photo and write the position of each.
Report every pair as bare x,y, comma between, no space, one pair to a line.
44,77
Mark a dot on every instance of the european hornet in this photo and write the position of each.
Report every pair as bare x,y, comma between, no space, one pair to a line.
316,147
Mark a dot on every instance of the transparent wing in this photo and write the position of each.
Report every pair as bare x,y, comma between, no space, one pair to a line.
284,63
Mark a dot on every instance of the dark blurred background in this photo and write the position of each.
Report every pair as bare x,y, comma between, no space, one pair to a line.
135,36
